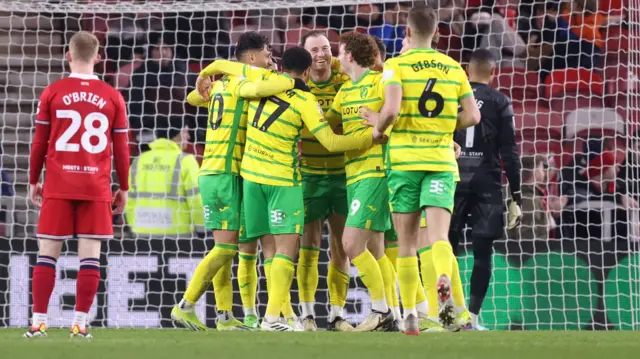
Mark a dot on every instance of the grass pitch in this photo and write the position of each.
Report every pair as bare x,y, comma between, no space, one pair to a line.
180,344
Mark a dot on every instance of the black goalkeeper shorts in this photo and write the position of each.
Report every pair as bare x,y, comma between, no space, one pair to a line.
484,213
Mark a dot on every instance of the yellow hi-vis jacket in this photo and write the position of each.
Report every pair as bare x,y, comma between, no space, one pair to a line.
164,199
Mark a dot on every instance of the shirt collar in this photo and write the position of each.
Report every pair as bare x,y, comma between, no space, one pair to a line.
84,76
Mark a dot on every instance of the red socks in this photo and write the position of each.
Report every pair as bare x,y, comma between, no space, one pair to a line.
42,283
87,283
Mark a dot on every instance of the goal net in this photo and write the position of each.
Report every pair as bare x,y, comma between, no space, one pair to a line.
571,70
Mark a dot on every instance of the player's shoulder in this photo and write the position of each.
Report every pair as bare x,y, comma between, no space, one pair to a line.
486,92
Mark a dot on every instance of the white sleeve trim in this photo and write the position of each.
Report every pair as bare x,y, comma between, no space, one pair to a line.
42,122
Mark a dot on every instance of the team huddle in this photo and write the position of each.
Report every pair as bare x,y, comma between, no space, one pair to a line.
373,143
364,143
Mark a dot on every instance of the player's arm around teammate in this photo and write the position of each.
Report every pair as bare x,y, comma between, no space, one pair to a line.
219,181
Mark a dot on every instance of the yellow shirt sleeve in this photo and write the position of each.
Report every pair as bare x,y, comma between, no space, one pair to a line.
263,88
336,66
194,99
227,67
390,75
465,87
313,118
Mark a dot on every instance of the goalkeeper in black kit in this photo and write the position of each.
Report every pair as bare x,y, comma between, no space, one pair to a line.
478,199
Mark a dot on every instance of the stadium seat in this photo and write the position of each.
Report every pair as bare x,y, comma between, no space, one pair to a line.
573,82
572,88
516,83
533,119
449,43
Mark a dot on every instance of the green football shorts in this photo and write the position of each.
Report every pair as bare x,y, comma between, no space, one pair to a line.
369,204
222,200
324,195
414,190
272,209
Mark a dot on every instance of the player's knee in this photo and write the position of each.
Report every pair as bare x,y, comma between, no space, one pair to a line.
248,247
312,236
482,251
50,248
353,244
338,254
376,247
287,244
89,248
226,237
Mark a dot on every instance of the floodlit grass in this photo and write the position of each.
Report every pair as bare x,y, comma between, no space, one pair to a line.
180,344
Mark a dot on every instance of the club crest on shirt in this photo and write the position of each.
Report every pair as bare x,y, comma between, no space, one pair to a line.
364,91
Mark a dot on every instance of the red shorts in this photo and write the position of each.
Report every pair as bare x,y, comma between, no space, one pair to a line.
66,219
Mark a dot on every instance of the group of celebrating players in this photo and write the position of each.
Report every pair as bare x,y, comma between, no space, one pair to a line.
368,151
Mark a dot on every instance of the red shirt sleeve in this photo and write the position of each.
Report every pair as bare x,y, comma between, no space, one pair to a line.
40,142
120,145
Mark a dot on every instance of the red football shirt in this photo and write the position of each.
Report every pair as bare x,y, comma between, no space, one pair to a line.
81,115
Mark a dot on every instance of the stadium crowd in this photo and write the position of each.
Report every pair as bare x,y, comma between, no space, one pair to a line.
154,58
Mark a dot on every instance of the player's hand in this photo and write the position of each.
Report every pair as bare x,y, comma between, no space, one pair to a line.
514,215
457,149
35,194
120,201
370,116
379,138
203,86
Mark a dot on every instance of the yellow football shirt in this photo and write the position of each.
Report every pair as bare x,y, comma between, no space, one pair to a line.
432,86
227,118
367,91
316,159
274,129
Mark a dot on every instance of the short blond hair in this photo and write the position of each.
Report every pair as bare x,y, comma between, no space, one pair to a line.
83,46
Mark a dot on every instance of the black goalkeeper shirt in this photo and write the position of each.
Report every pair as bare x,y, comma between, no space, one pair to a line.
486,144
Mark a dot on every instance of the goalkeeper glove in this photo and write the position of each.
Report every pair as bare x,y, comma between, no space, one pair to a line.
514,215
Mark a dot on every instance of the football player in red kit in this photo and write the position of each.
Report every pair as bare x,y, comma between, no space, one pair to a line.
79,119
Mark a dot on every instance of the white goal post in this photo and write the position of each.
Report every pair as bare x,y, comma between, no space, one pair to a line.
561,280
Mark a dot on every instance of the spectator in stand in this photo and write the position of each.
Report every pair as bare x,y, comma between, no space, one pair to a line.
124,41
391,32
566,38
597,209
157,90
349,18
537,222
495,27
451,27
6,190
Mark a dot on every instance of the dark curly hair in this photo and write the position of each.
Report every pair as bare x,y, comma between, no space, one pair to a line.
361,46
250,41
